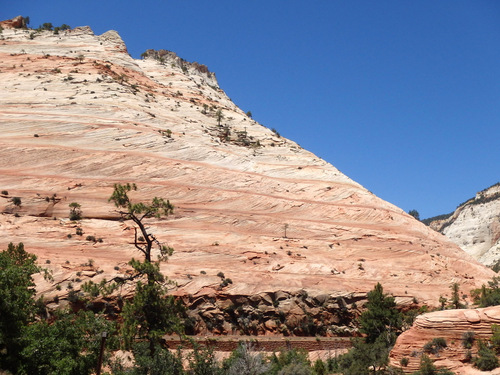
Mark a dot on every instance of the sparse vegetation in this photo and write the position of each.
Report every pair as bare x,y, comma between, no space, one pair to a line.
16,201
219,116
75,211
486,359
436,218
468,338
427,367
415,214
435,345
47,26
455,296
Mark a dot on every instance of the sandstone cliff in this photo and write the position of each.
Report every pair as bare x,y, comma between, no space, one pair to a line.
475,225
301,242
450,325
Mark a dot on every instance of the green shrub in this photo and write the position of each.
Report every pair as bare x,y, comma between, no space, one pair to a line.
468,338
427,367
319,366
16,201
486,359
75,212
5,192
435,345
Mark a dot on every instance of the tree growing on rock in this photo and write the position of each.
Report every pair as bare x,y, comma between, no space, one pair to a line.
414,213
138,212
75,211
455,296
219,116
151,313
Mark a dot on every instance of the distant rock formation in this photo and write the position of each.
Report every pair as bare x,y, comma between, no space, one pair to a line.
18,22
475,225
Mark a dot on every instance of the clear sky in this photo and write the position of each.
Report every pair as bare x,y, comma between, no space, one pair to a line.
401,96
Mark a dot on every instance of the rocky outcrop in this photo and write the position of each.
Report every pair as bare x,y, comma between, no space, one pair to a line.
277,312
78,115
451,325
475,225
15,23
172,59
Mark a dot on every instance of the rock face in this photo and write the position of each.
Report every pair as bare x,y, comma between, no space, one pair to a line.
475,225
450,325
15,23
300,242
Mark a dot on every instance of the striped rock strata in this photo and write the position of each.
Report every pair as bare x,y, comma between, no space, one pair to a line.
293,234
450,325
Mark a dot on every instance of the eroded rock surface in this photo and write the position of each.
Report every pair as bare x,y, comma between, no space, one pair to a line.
78,114
450,325
475,226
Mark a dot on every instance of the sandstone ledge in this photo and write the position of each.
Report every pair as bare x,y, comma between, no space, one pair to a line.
450,325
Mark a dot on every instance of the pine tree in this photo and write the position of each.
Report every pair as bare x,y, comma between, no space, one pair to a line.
381,317
151,313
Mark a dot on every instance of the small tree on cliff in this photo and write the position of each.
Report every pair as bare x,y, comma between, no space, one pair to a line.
455,296
151,313
75,211
137,212
415,214
219,116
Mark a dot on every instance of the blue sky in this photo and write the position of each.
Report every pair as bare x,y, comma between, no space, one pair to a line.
401,96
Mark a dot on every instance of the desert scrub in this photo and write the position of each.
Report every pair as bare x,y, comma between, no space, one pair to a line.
468,338
435,345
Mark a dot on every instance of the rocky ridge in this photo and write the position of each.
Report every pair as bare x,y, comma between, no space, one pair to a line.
268,237
475,225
